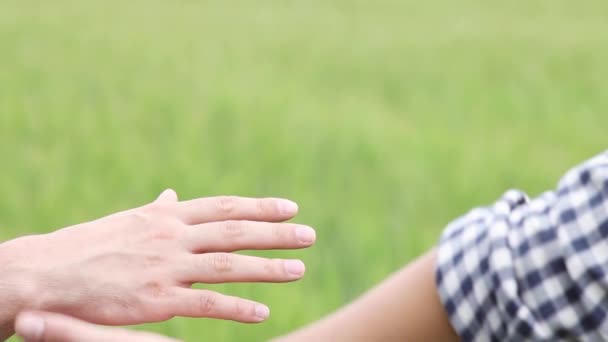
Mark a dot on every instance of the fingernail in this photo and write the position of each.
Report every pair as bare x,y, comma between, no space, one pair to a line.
305,234
262,311
294,267
30,327
287,207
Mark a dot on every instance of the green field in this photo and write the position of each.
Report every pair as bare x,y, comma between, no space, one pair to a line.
383,119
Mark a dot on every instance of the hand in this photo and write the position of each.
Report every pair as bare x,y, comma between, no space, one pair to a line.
138,266
51,327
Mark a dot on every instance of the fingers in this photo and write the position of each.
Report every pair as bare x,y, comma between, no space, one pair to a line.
212,268
51,327
229,236
168,195
204,303
214,209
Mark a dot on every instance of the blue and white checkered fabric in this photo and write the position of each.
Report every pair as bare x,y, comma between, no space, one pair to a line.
531,270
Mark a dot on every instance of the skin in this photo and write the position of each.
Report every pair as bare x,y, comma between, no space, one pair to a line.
154,254
404,307
52,327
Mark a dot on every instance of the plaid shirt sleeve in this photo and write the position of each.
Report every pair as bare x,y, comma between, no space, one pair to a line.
523,270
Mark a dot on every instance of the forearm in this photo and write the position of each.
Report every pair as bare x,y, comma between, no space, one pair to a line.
404,307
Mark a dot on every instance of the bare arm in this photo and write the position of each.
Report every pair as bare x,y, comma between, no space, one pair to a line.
405,307
139,265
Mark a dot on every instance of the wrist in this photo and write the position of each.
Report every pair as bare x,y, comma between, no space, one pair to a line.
12,295
18,281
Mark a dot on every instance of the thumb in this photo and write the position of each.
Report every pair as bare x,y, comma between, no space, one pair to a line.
51,327
168,195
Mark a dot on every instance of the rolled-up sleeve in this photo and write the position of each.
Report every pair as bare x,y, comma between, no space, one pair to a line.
535,269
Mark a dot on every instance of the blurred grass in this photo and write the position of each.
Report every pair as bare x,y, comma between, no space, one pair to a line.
384,120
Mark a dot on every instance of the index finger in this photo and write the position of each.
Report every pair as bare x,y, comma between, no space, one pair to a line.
222,208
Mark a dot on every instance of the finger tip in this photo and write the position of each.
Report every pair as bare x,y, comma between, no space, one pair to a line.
171,193
29,326
287,207
262,312
295,268
168,195
306,235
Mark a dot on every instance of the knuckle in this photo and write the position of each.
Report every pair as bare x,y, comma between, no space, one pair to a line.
126,303
153,214
225,204
261,208
274,267
240,307
155,208
232,229
154,260
277,232
156,290
222,262
167,231
206,302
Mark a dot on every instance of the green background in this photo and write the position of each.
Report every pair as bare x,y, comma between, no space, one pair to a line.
383,119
